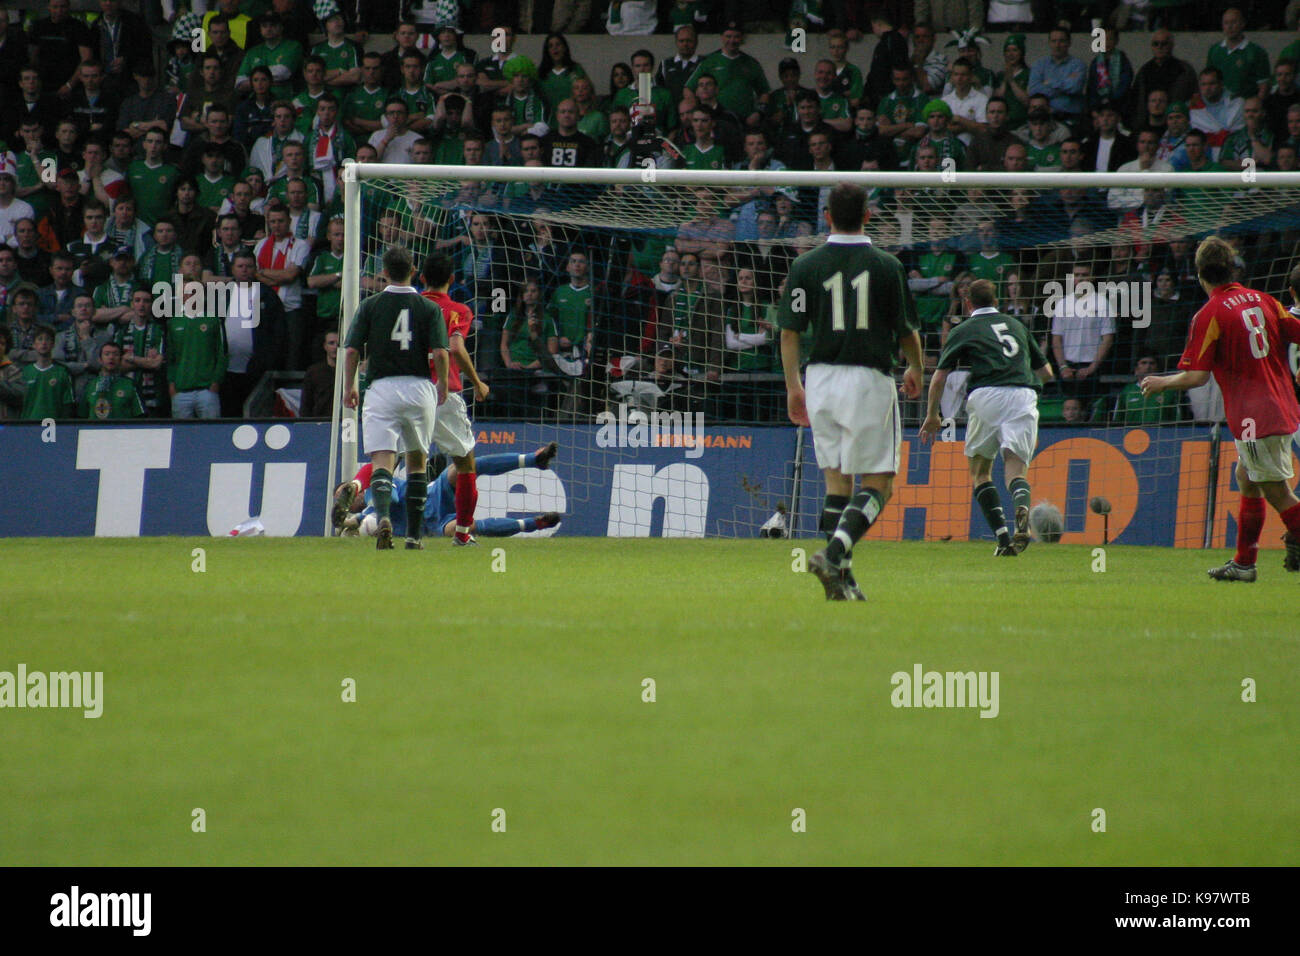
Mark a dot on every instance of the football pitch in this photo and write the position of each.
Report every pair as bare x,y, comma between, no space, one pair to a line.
501,711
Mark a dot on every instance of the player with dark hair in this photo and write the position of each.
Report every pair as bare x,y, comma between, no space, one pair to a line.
1241,336
453,432
401,332
856,299
1007,370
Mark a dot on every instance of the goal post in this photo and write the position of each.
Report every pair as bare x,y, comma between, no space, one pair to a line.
658,343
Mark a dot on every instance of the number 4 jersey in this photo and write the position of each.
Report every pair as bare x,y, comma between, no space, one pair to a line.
1242,336
395,330
998,348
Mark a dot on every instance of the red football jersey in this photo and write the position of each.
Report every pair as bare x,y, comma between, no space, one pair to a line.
1242,336
458,318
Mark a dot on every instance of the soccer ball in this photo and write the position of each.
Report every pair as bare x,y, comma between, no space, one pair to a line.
1046,522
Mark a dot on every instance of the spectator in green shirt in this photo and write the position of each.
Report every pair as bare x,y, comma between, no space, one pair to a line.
1129,407
282,57
196,350
1244,64
557,70
740,77
49,386
110,394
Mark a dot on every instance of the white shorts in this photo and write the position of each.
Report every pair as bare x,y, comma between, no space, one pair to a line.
452,431
855,422
1267,459
398,414
1002,416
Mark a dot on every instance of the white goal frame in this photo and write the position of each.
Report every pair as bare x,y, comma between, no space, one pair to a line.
343,455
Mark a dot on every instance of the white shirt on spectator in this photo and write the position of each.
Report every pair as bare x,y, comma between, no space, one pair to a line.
1081,321
295,252
1123,199
397,151
972,106
17,209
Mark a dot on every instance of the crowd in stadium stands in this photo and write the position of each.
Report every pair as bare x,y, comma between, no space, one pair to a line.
126,161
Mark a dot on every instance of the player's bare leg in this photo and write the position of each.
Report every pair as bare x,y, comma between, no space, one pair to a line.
990,503
1014,469
381,493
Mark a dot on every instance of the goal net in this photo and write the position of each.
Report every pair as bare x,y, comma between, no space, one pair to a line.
630,315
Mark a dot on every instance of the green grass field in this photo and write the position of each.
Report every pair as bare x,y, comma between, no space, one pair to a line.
522,690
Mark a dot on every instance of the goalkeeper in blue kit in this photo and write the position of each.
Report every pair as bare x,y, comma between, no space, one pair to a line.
440,504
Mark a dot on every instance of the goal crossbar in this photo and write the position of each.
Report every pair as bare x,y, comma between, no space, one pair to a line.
785,177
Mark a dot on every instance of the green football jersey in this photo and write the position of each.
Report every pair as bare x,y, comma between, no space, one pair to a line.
993,267
889,111
279,189
998,349
740,81
328,299
341,57
761,358
286,53
570,310
196,351
1046,158
555,87
1017,112
109,397
1131,408
442,69
521,346
396,330
365,104
157,266
213,194
419,101
933,306
856,300
111,294
594,124
29,174
49,393
527,109
834,107
152,188
712,158
1243,69
305,105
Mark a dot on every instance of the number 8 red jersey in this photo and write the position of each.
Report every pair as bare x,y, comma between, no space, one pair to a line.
1242,336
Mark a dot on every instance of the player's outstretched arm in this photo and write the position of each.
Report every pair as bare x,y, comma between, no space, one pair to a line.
1044,373
1181,381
